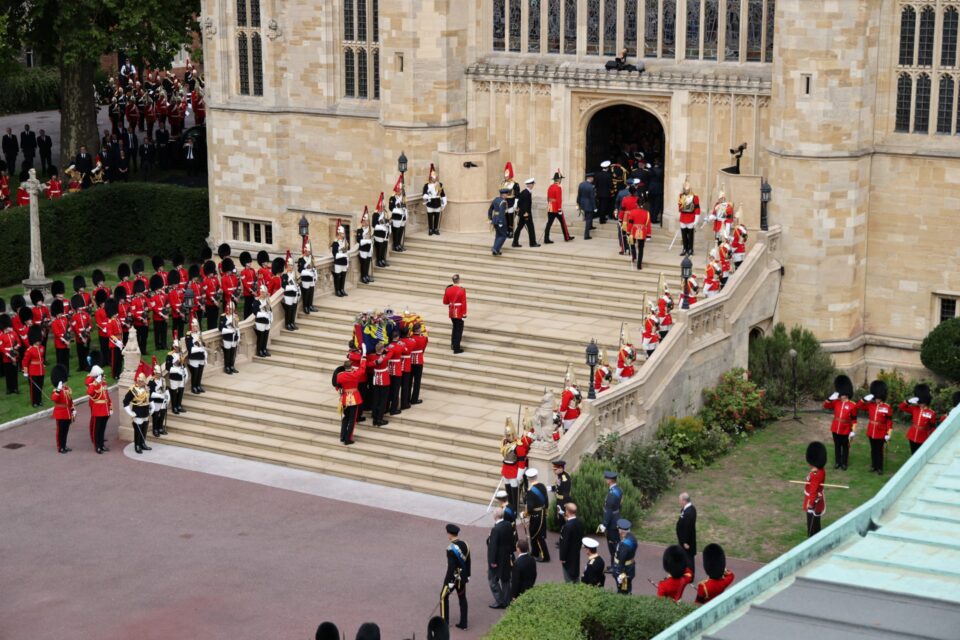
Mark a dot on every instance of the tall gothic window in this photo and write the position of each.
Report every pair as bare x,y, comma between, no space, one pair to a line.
948,39
925,48
630,27
945,104
533,27
499,25
515,12
732,45
768,43
908,24
553,26
669,17
904,98
651,28
921,104
361,49
610,28
711,23
754,30
570,26
593,27
249,48
693,29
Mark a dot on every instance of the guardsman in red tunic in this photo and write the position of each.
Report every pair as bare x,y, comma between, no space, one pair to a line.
844,423
679,575
179,268
725,258
688,205
101,406
510,469
720,216
100,319
651,329
570,399
715,564
100,283
64,413
664,307
23,196
637,222
157,302
175,298
380,384
406,379
739,240
41,312
347,380
199,107
138,311
60,328
455,297
9,353
420,341
248,283
396,351
22,322
54,187
265,272
123,275
229,282
211,294
711,278
160,269
603,375
555,209
814,502
81,325
32,364
132,113
880,425
275,281
923,419
626,356
115,335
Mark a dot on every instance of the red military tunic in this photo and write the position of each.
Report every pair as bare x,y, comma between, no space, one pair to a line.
409,344
651,333
625,360
63,408
175,300
844,416
21,330
711,281
813,500
210,287
248,280
689,208
9,342
690,288
81,326
229,283
54,189
59,328
722,211
165,275
158,303
419,347
637,223
115,333
349,383
274,284
355,359
100,317
671,587
138,309
127,285
523,449
664,304
33,361
509,470
554,198
23,197
880,416
709,589
923,422
381,369
601,378
455,297
395,351
568,408
41,314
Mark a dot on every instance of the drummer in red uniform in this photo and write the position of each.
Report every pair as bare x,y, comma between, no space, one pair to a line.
347,381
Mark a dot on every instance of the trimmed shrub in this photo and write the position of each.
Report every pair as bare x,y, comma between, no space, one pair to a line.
689,444
590,491
649,469
84,227
772,368
24,89
581,612
737,405
940,350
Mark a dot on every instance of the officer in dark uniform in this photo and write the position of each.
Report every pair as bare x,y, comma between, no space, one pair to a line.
562,489
497,215
593,573
457,576
525,215
611,513
536,507
603,181
624,569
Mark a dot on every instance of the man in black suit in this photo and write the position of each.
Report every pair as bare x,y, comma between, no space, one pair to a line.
163,141
687,530
524,574
655,189
190,158
571,537
11,148
84,164
28,146
525,214
45,148
499,550
131,145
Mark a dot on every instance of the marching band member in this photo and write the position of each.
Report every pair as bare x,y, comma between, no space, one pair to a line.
275,280
176,368
844,425
341,260
435,201
60,327
32,364
880,425
248,283
211,294
398,215
263,320
626,356
381,231
230,338
54,186
136,403
138,310
159,399
511,195
688,204
101,406
265,272
291,294
101,319
9,353
923,420
196,357
64,412
40,314
308,276
365,243
603,375
157,302
115,335
229,282
570,399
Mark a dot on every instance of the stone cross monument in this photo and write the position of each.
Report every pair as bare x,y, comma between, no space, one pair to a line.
37,279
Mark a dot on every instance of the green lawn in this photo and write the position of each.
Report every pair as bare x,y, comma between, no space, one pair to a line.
17,406
745,502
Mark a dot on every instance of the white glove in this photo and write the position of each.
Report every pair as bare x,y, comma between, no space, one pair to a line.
59,386
363,348
98,379
868,397
852,434
450,585
886,438
913,400
130,411
834,396
620,579
602,529
25,375
711,217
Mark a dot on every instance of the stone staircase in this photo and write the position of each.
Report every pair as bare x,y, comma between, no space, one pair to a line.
531,312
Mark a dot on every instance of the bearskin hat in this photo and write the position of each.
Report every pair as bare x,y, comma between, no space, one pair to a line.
36,296
156,282
327,631
209,268
956,398
227,266
137,265
79,282
368,631
158,262
922,392
177,258
58,375
262,257
56,308
205,253
437,629
139,286
25,315
98,277
94,359
77,302
123,270
817,454
674,560
173,277
110,308
279,264
34,334
245,258
5,322
843,386
223,250
120,293
3,306
100,296
878,389
58,288
194,271
714,561
17,302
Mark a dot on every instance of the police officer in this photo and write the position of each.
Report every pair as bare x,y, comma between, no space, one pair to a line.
457,576
611,513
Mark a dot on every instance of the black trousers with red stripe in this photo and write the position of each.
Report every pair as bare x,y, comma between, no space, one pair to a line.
347,423
63,428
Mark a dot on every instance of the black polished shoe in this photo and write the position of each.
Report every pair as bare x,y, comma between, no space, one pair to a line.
234,369
202,390
138,450
418,401
194,391
515,244
227,371
182,410
836,466
99,451
460,626
535,245
548,242
105,448
146,448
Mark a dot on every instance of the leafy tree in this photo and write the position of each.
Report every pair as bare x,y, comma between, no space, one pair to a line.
940,350
772,368
76,33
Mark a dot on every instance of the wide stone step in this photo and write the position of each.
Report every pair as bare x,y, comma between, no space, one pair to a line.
457,488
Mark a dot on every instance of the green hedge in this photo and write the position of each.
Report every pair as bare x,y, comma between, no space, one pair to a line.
940,351
580,612
82,228
771,367
590,492
25,89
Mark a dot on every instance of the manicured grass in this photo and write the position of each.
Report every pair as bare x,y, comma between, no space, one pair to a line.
745,502
107,265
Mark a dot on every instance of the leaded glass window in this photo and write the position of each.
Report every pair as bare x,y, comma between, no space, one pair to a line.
553,26
908,25
921,105
650,29
610,28
362,73
376,74
570,26
593,27
945,104
771,11
361,57
732,36
375,30
711,22
630,27
244,66
669,48
533,27
349,32
515,12
257,60
904,98
925,39
349,74
693,29
499,25
948,39
241,13
255,13
754,30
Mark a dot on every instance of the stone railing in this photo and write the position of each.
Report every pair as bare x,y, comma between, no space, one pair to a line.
212,338
705,341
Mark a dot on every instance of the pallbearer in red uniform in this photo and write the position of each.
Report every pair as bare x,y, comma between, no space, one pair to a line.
395,350
64,413
880,427
101,406
32,364
923,419
715,565
570,399
679,575
455,297
603,376
688,205
62,335
416,361
347,380
626,356
814,503
844,423
380,384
